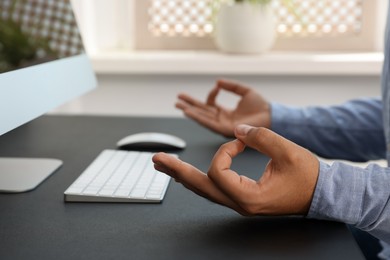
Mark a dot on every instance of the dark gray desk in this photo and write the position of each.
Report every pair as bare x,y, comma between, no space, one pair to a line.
39,225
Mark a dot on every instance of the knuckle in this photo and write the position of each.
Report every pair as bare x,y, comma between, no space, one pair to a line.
294,157
182,165
298,156
211,170
261,134
224,147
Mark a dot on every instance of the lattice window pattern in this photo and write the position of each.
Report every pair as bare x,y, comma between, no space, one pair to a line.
46,20
302,18
178,17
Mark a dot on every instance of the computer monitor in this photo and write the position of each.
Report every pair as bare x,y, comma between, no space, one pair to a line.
42,65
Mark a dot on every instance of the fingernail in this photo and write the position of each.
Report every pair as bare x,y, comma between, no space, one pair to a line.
243,129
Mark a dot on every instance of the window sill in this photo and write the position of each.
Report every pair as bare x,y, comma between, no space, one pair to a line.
209,62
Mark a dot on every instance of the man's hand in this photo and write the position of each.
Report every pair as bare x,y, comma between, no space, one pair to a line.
286,186
252,109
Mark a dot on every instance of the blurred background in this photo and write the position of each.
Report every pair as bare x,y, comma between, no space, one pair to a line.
145,52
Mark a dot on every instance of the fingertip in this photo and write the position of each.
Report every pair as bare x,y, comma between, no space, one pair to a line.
240,145
221,81
156,158
179,105
160,168
266,141
182,96
242,130
221,84
231,149
240,142
165,162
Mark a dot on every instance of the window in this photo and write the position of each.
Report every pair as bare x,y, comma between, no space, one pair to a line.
304,24
335,25
301,18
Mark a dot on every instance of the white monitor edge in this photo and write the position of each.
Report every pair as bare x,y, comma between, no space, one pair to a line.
28,93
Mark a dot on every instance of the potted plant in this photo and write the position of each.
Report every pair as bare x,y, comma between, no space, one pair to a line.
244,26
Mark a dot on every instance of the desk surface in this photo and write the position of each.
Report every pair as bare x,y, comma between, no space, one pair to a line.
39,225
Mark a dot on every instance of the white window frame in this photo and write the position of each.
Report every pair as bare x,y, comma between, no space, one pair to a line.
106,25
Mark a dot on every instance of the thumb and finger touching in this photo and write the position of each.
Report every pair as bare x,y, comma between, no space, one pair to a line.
232,87
288,183
264,141
193,179
286,186
288,165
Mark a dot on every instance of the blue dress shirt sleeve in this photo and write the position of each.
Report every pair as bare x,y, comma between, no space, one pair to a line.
354,195
351,131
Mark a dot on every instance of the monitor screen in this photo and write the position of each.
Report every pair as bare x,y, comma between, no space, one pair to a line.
42,63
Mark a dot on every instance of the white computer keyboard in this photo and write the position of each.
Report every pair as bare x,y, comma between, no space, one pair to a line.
119,176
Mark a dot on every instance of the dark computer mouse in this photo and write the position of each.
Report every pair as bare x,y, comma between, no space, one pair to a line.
151,141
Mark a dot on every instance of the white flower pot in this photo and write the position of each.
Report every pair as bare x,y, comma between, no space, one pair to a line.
245,28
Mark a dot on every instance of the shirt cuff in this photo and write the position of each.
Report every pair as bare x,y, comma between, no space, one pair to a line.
338,194
283,117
